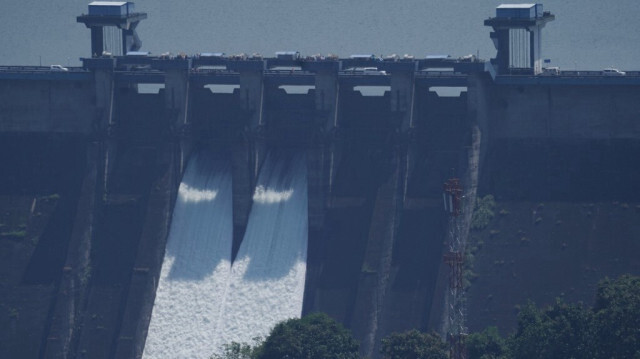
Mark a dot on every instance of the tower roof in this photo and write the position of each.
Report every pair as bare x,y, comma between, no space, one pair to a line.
516,6
107,3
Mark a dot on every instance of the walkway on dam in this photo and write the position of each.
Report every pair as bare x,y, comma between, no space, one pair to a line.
442,72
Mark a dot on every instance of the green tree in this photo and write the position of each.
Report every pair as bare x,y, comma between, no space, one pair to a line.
413,345
483,212
617,318
236,350
611,329
315,336
487,344
562,331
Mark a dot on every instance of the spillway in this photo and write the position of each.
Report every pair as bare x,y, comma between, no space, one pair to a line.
196,265
268,274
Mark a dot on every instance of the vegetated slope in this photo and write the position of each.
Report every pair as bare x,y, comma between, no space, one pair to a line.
566,215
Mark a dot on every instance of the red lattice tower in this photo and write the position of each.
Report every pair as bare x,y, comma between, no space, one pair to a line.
453,196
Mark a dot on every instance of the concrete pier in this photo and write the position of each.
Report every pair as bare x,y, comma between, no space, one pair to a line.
327,91
243,186
252,94
72,291
376,265
177,92
402,94
140,297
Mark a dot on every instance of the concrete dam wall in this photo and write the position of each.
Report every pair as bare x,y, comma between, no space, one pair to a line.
95,166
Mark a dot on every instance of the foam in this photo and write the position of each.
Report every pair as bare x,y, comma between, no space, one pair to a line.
196,266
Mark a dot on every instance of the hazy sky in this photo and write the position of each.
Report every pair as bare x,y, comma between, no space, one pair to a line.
587,33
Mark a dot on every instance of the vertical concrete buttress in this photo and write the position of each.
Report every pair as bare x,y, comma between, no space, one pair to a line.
68,306
327,90
252,100
176,92
317,185
403,90
402,94
247,156
376,266
252,96
72,290
132,334
323,157
242,188
316,190
69,312
105,124
327,104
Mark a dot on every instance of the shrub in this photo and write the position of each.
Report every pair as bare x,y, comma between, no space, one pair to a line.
483,212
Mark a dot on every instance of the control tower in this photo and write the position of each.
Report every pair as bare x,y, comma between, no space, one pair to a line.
120,21
517,30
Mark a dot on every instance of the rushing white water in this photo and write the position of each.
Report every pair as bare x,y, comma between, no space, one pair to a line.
268,274
196,266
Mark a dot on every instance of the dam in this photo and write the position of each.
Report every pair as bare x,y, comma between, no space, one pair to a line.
98,159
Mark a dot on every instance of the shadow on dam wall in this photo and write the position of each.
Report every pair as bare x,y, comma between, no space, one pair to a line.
339,252
39,189
569,170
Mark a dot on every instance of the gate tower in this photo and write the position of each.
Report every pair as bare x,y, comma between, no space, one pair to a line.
517,31
119,16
